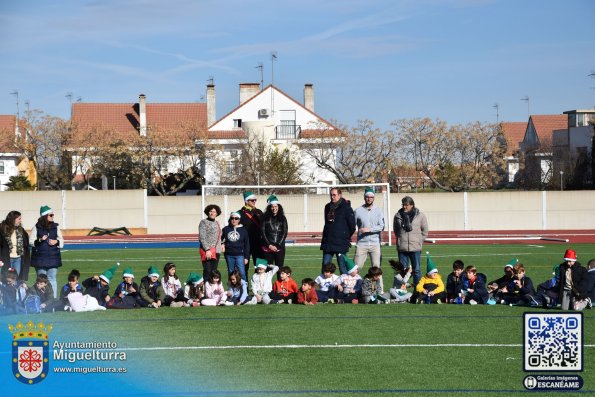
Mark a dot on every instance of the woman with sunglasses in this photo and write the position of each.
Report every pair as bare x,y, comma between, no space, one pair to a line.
46,241
236,242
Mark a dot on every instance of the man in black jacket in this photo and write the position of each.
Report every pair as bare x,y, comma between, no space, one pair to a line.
339,226
572,275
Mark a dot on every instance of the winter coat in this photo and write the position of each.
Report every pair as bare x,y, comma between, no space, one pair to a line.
338,229
274,231
410,241
44,256
25,257
578,274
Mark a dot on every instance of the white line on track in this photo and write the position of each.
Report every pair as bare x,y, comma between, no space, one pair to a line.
335,346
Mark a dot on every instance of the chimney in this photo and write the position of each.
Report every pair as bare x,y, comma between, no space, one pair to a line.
248,90
211,105
142,113
309,97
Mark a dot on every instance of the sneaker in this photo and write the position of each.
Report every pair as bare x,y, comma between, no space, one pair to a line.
503,302
472,302
176,304
419,301
330,301
289,301
589,303
228,303
491,301
252,301
67,308
439,301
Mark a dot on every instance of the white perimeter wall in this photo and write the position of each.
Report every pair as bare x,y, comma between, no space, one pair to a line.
180,215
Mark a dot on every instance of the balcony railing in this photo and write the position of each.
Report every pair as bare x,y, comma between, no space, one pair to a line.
287,131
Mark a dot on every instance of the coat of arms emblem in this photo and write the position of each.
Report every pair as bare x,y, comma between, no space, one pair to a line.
30,351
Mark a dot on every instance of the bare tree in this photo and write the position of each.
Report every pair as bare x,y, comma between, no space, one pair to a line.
354,155
455,158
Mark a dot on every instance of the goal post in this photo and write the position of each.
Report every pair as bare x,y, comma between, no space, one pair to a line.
303,204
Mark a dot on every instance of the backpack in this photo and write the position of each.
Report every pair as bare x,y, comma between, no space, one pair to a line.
32,304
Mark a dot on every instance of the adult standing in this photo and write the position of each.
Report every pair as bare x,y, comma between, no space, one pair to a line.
251,219
46,241
209,236
369,220
236,244
572,275
339,226
274,232
411,229
14,246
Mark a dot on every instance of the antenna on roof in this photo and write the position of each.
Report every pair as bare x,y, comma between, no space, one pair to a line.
592,74
497,112
211,80
261,67
16,128
79,99
273,59
526,98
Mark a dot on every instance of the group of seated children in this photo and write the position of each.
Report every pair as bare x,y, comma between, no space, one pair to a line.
572,286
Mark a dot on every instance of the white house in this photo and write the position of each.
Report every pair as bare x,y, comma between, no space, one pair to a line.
12,160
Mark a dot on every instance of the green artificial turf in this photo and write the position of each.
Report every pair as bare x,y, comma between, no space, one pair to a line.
327,349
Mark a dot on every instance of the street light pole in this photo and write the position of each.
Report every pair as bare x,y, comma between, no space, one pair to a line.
561,181
114,182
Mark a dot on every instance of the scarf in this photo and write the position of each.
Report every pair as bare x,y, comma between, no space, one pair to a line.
407,218
330,217
19,236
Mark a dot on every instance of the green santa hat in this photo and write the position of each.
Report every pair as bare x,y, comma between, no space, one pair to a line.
273,200
261,263
249,196
108,274
351,266
44,210
556,271
194,278
128,272
431,266
369,192
511,263
153,271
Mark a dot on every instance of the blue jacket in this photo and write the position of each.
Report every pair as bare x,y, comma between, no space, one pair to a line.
479,287
236,241
338,228
44,256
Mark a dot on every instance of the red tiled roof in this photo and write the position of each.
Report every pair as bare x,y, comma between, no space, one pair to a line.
123,118
514,133
313,134
545,124
230,134
7,133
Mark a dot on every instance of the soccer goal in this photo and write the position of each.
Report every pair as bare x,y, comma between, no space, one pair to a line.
303,205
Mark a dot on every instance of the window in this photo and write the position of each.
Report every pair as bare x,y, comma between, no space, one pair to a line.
1,167
237,123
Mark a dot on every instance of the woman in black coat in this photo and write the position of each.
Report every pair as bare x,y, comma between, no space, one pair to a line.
14,246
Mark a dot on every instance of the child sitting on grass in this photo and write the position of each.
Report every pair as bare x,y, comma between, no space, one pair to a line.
307,294
174,294
285,289
194,289
430,288
237,288
401,282
326,282
215,294
520,290
151,290
262,281
372,288
126,295
349,284
474,289
98,285
454,283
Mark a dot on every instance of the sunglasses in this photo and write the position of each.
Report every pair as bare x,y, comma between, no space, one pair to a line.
50,215
251,200
235,219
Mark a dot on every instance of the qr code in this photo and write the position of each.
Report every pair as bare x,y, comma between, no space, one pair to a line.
553,341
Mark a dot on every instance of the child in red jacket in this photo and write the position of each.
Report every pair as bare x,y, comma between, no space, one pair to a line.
307,294
285,289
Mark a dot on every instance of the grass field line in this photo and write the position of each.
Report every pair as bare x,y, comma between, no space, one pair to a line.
327,346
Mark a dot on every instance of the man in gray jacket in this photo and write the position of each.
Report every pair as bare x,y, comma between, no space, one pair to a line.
369,220
411,229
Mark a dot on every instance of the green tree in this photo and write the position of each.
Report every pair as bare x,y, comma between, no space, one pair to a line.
19,183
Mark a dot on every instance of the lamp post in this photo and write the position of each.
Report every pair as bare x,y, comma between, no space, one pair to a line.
258,182
561,181
114,182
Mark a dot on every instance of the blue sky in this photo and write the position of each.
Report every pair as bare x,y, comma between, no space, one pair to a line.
377,59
